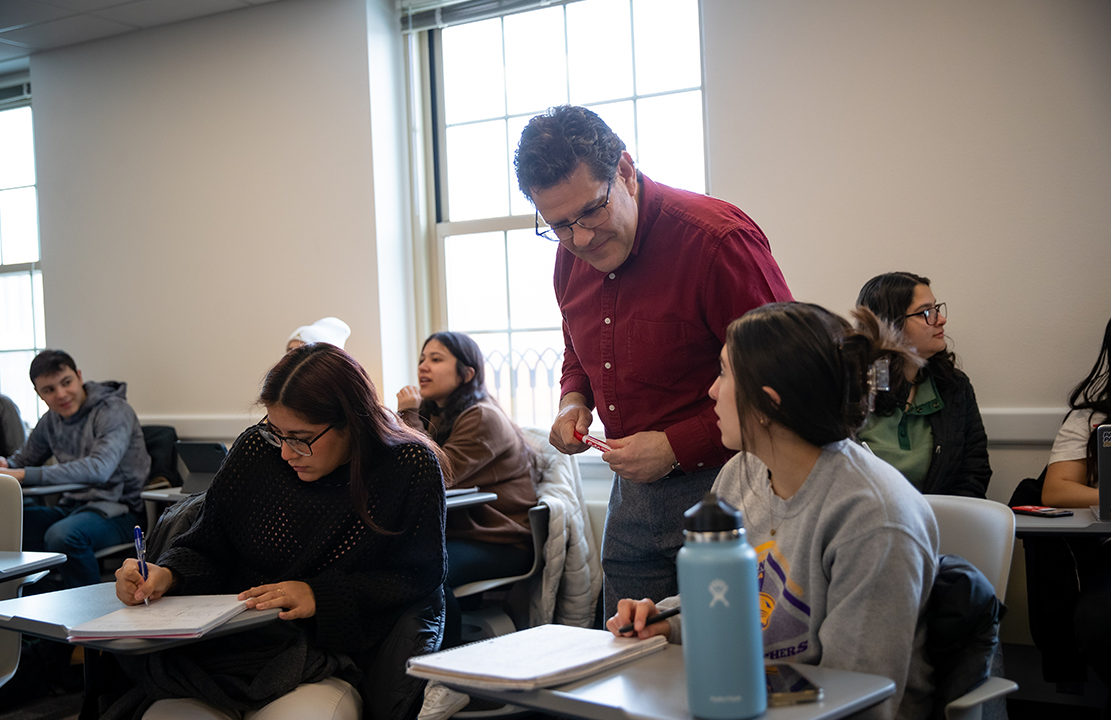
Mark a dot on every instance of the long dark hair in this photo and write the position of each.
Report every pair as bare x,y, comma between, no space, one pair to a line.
1093,394
817,363
325,385
467,355
888,296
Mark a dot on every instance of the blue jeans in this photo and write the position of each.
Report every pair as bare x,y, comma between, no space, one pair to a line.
644,531
76,534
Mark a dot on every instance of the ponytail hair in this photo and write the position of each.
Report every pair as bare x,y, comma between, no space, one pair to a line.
815,361
1094,394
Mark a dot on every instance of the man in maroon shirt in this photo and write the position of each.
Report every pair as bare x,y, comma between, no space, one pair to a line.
647,278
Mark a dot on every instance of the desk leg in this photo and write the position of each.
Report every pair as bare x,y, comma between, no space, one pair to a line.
90,705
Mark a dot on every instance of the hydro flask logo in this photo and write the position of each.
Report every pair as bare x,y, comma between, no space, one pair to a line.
718,588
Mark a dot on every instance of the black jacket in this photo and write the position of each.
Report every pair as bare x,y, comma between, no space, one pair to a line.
960,462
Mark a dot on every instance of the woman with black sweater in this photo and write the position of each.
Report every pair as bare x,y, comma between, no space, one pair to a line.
329,509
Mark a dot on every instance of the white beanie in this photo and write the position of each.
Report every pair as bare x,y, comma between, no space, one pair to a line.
330,330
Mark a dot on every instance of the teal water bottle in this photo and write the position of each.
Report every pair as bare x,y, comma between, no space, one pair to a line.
723,645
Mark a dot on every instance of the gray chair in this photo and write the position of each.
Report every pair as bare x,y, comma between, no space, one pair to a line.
492,619
983,533
11,539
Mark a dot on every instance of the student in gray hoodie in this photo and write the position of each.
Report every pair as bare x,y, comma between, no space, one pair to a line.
95,437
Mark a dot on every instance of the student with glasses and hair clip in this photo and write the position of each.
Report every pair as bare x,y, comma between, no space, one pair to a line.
330,509
845,544
928,425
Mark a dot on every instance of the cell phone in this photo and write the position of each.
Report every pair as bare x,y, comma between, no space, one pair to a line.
787,686
1041,511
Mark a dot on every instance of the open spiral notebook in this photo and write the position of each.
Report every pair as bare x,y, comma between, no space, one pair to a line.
178,616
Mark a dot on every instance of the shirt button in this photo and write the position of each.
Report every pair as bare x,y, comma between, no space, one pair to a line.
608,366
701,464
612,276
606,321
612,408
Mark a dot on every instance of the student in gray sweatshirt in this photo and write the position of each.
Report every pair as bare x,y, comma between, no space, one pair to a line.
848,549
95,437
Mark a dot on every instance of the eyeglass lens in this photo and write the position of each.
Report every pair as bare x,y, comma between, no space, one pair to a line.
298,446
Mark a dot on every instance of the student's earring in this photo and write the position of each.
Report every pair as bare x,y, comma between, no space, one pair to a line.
763,422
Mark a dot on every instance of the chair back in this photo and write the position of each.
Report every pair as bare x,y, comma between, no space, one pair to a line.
11,514
981,531
11,539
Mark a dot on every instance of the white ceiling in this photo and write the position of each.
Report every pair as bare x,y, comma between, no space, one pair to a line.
29,26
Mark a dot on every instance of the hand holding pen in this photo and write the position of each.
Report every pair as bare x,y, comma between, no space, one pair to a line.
650,620
141,555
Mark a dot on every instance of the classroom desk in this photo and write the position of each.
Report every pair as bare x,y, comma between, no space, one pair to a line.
456,498
1081,522
49,494
14,564
655,688
51,615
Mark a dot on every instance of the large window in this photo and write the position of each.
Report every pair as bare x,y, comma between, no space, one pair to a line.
22,333
637,63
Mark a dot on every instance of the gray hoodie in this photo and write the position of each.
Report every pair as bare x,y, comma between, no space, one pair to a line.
100,445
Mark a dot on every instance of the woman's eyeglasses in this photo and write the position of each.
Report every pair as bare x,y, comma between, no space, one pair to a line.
297,445
931,315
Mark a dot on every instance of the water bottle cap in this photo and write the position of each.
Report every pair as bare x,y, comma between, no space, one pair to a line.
711,516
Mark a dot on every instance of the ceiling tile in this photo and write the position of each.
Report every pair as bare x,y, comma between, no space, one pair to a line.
14,13
68,31
149,13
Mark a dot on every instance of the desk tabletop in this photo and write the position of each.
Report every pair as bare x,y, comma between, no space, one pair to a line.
457,499
1081,522
655,688
37,490
51,615
15,564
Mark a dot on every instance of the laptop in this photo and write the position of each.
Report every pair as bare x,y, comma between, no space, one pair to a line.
202,460
1103,470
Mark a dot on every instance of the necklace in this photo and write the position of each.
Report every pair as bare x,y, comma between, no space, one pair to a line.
771,509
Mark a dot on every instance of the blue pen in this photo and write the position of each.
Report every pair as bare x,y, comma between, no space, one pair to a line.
141,554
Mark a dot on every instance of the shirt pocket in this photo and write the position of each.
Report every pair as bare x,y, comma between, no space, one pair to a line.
659,352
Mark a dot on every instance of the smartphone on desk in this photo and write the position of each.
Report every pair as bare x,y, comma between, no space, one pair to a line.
787,686
1041,511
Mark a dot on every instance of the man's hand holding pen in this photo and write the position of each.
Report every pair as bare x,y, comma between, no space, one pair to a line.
294,597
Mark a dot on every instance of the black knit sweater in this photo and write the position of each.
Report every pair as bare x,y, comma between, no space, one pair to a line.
262,524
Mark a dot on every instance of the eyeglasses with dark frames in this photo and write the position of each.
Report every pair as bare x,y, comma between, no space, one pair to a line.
589,220
931,315
297,445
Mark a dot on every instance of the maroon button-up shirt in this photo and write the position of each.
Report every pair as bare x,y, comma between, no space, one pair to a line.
642,342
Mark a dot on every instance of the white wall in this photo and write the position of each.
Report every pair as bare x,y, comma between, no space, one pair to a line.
207,187
968,141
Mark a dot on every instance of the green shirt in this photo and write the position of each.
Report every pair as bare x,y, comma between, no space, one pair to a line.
904,438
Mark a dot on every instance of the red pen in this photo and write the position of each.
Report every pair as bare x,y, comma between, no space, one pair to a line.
592,442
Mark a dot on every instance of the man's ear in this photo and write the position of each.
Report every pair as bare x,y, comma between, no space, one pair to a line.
772,394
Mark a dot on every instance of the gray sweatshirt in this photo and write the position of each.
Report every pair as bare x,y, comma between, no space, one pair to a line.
845,579
100,445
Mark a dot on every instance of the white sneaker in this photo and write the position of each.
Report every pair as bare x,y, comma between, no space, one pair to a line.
441,702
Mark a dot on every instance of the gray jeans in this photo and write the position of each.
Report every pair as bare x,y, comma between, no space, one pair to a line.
644,531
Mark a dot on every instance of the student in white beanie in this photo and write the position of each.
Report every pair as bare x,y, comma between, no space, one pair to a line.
330,330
